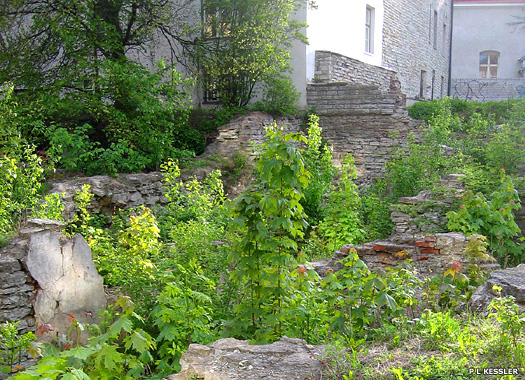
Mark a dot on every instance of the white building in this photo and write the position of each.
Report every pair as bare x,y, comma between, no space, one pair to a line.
488,49
409,37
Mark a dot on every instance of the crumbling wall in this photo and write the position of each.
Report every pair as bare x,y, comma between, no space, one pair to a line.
333,67
415,235
46,277
16,287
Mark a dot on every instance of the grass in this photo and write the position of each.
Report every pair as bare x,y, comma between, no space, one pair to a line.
436,346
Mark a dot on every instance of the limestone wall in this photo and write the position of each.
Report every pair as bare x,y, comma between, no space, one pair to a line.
343,97
409,48
369,138
16,288
333,67
111,194
45,278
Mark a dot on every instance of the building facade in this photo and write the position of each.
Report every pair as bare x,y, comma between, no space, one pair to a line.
488,55
363,40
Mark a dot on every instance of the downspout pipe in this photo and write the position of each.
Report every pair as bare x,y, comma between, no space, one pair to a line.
450,47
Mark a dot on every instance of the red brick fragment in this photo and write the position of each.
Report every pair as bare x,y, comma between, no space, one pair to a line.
425,244
429,250
430,238
422,258
378,247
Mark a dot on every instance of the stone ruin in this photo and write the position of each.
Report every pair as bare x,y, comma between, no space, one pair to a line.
231,359
45,278
413,236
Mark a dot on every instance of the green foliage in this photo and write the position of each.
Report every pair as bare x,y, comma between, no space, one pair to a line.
21,169
357,297
280,97
341,363
259,34
91,104
81,221
476,253
129,260
88,133
208,120
307,311
13,346
269,218
318,161
493,218
192,200
376,211
183,313
119,351
343,222
50,208
502,111
506,312
458,139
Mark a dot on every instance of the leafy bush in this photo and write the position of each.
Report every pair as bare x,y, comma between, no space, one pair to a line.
103,131
464,109
119,351
318,161
343,222
21,168
13,346
280,97
269,219
183,313
50,208
493,218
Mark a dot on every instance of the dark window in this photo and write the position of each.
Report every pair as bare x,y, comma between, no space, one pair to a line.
435,30
423,85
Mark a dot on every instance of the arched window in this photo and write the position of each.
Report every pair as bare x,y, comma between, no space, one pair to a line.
488,64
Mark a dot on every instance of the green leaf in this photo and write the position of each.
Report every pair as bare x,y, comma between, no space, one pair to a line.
123,323
79,352
384,298
139,340
80,375
108,358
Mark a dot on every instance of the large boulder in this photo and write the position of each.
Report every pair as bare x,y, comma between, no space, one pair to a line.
68,281
230,359
512,283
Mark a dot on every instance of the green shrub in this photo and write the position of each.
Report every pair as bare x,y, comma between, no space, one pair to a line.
50,208
183,313
269,219
22,170
104,131
318,161
280,97
120,350
493,218
343,221
13,346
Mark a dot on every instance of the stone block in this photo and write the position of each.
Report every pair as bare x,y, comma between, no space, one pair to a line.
430,250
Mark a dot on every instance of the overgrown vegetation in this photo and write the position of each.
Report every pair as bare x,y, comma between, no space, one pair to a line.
458,139
202,267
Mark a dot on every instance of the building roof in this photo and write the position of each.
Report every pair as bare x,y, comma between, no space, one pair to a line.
488,1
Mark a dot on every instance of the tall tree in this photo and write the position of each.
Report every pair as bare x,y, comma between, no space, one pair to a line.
69,62
244,42
43,41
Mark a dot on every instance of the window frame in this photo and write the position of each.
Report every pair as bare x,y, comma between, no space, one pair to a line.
369,29
485,69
